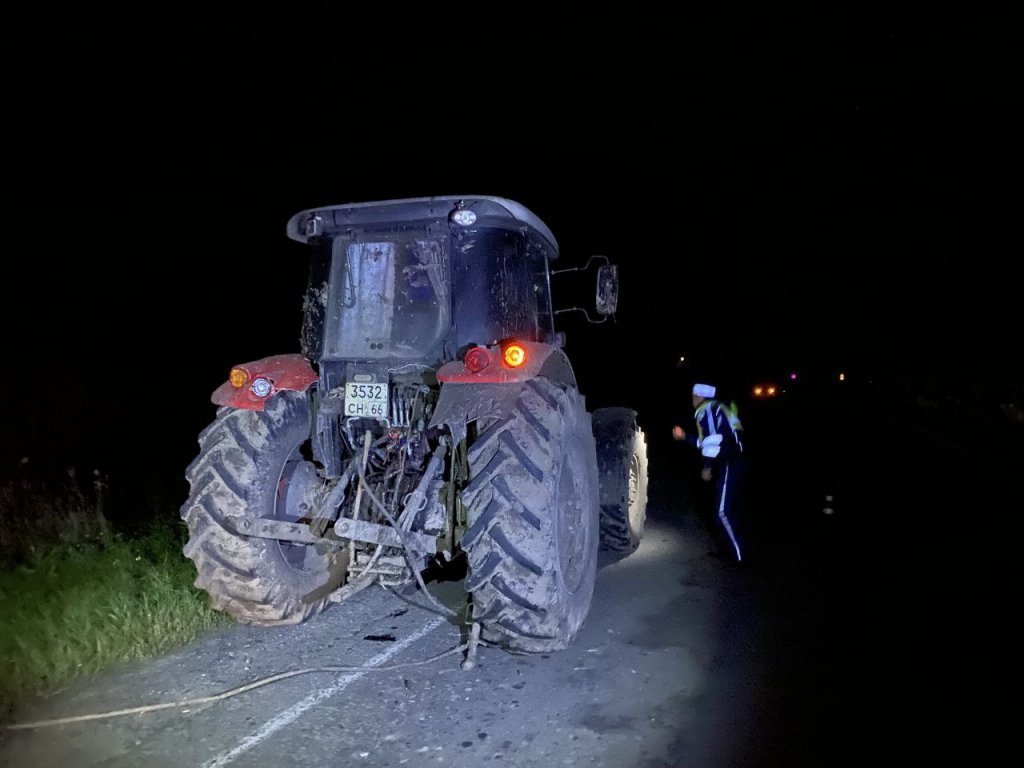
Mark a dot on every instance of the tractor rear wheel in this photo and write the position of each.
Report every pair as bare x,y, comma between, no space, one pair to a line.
250,466
532,510
622,477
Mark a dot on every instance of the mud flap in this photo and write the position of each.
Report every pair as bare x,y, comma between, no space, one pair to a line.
459,404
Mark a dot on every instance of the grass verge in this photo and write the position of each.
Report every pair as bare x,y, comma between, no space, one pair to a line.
75,610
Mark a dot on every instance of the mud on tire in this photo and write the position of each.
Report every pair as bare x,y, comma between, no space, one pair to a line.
239,473
622,477
533,521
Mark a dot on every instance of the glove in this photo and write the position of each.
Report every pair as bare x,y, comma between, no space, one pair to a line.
710,446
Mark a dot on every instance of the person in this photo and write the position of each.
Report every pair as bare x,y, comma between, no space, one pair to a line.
719,439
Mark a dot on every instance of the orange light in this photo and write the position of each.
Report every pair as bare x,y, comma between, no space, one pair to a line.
476,359
514,355
758,391
771,391
238,377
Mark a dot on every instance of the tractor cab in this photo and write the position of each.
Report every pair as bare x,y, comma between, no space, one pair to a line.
421,280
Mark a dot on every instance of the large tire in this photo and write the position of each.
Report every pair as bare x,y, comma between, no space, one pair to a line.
533,521
245,463
622,478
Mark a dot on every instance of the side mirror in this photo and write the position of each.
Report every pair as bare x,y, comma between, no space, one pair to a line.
607,297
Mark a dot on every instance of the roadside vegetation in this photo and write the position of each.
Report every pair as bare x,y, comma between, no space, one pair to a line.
79,595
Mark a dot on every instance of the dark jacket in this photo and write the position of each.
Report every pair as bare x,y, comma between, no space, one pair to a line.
713,420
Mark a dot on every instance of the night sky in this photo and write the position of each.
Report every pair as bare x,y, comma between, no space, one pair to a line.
847,182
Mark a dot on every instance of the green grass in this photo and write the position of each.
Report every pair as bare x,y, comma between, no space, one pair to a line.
76,609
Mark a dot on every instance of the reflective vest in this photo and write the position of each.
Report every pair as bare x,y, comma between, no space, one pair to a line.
732,415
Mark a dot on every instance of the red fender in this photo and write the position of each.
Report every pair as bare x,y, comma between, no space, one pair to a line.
291,373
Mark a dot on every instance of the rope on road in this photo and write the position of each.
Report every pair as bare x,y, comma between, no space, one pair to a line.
235,691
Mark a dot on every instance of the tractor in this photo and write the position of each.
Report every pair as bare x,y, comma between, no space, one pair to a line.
431,417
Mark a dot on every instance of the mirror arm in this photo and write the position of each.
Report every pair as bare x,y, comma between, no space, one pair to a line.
584,268
584,311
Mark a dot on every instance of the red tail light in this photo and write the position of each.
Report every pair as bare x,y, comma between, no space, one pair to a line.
476,359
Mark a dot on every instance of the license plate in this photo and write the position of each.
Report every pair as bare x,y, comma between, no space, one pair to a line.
369,400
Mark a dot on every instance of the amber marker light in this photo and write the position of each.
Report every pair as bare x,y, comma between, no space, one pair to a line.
514,355
238,377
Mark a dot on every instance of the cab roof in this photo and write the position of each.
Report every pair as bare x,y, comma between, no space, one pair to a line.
489,211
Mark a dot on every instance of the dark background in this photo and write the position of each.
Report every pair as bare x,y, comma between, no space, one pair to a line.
819,189
816,189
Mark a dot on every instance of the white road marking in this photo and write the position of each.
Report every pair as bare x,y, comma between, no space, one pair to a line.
292,713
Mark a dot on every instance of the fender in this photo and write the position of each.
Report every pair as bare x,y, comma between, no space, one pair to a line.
492,391
284,373
541,360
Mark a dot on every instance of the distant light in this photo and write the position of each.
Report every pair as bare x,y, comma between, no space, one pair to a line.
682,359
771,390
261,387
464,217
842,377
792,377
758,391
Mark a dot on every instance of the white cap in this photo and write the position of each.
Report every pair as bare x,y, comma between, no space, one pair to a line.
704,390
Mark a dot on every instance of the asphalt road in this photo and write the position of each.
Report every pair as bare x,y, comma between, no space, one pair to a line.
650,673
869,635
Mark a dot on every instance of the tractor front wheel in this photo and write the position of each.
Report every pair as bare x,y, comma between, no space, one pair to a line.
622,477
